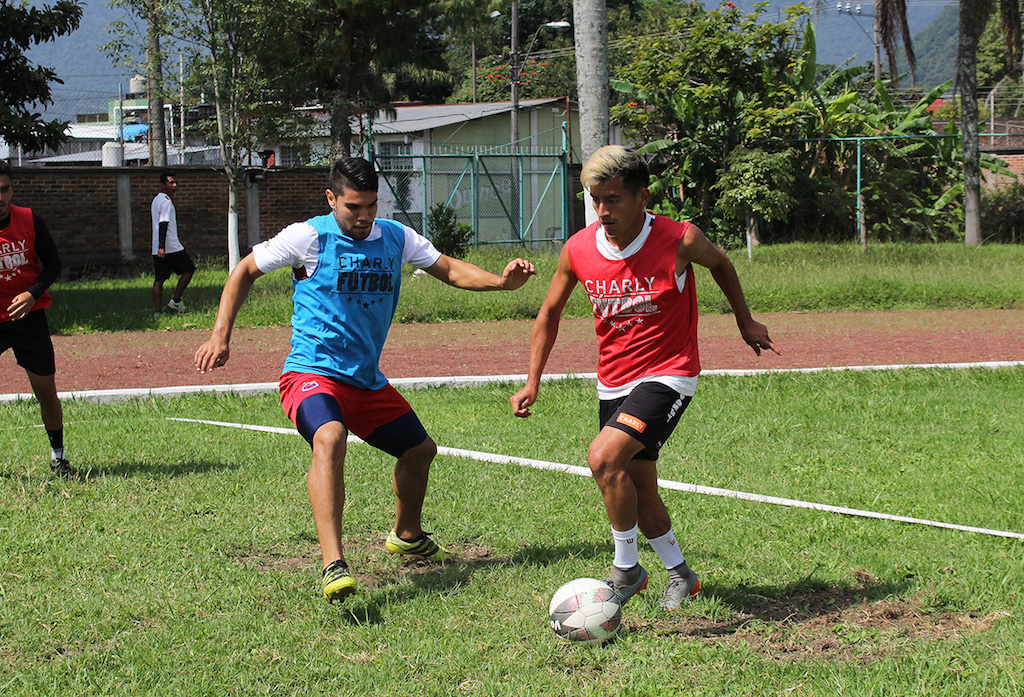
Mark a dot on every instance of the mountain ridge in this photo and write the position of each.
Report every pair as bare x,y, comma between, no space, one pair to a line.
90,78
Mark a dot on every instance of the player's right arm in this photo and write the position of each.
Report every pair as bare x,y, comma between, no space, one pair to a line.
544,333
296,247
215,351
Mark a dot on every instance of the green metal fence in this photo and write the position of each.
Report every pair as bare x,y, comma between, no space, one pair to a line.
507,196
900,188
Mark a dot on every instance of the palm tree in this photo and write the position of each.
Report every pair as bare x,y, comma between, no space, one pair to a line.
891,29
892,15
973,16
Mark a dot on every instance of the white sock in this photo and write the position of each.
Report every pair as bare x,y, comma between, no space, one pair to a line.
56,454
667,549
627,554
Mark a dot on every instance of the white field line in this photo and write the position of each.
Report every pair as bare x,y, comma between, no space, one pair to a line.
120,395
664,483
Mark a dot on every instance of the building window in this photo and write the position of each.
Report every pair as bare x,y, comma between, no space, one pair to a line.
387,160
397,170
290,156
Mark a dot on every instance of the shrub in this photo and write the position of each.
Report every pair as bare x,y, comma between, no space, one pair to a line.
446,232
1002,213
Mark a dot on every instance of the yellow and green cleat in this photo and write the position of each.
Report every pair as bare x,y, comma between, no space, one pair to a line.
338,583
422,546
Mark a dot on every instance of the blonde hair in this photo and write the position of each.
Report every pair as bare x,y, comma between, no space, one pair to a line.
612,161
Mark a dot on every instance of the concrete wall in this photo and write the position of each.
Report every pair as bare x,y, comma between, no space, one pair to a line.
99,216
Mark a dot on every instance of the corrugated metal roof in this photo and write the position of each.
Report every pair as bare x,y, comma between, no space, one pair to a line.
413,119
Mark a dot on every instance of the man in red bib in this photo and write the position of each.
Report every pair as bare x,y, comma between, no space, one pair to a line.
29,263
637,271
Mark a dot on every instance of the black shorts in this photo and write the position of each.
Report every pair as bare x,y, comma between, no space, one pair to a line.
30,339
649,414
175,262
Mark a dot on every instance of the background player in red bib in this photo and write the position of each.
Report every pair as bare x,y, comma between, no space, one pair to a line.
29,264
636,268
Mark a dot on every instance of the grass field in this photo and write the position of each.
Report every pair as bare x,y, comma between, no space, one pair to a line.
779,278
187,563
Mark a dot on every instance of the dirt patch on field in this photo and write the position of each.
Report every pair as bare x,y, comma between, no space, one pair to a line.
163,359
827,625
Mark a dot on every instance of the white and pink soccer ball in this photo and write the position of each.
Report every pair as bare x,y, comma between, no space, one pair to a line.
584,610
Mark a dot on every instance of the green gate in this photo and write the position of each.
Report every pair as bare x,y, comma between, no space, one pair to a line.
507,196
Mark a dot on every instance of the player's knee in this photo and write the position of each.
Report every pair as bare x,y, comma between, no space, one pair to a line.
332,440
422,454
605,464
44,387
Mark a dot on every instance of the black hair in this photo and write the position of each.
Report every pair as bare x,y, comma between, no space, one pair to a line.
353,173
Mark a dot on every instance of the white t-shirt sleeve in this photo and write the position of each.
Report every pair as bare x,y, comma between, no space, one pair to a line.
419,251
164,209
297,245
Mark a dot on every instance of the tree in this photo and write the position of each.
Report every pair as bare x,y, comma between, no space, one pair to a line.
590,27
219,39
155,86
716,81
973,15
256,62
468,20
23,85
740,121
891,23
356,57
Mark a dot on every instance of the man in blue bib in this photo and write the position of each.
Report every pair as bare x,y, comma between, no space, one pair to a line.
346,269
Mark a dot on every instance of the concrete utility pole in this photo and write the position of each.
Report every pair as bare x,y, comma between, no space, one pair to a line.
876,38
154,88
514,73
590,19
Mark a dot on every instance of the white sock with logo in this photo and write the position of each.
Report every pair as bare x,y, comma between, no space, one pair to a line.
627,554
667,550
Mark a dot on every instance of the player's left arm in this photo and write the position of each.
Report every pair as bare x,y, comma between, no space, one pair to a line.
462,274
698,249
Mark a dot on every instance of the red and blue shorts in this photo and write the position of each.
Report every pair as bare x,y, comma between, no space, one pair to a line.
382,418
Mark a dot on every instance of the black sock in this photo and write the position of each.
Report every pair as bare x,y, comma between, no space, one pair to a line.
56,441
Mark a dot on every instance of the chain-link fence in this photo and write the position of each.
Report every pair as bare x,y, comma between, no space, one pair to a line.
507,197
901,188
870,189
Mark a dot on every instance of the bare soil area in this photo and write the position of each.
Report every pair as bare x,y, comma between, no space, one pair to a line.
163,359
860,623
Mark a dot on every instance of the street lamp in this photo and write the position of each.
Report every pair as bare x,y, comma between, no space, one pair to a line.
495,14
517,64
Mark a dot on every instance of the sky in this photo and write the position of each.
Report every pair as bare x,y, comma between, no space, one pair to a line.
91,78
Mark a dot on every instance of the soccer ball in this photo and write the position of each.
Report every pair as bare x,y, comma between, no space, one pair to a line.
585,610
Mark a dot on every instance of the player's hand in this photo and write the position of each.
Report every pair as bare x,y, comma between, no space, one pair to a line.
522,400
21,305
756,336
161,253
212,354
516,274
